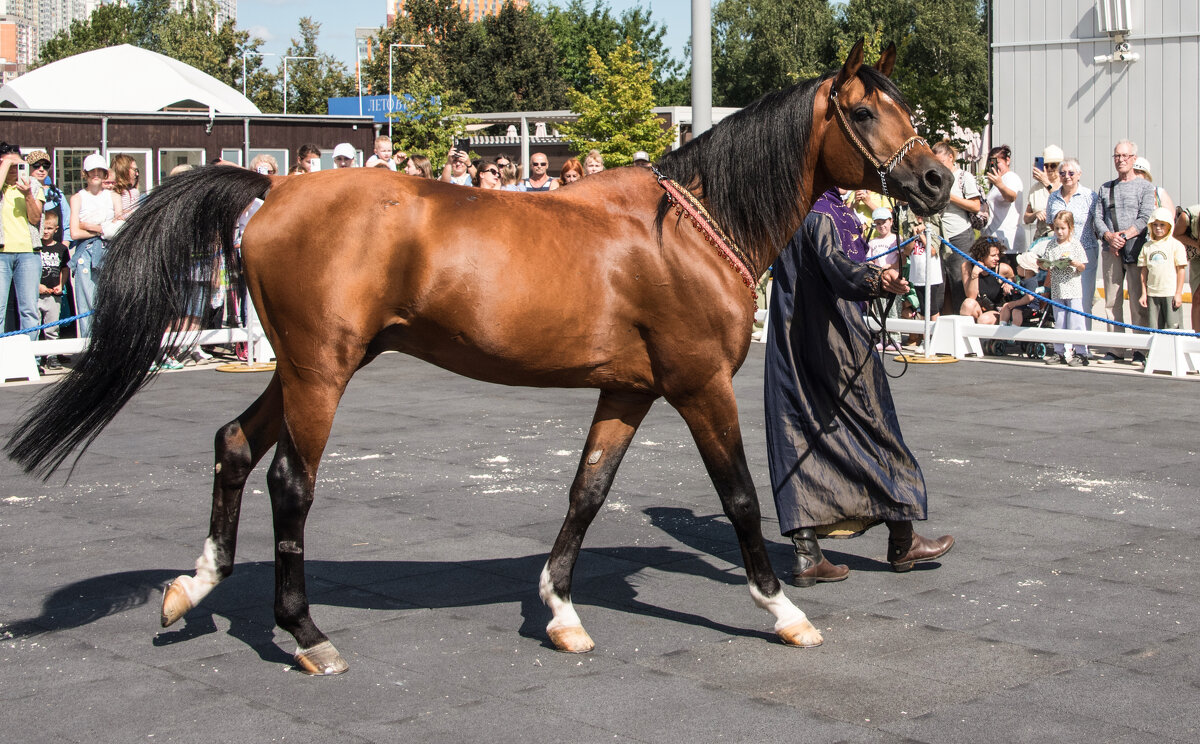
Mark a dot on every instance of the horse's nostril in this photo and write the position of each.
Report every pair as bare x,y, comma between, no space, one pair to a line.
934,178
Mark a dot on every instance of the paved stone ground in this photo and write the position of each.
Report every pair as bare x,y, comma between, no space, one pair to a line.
1066,613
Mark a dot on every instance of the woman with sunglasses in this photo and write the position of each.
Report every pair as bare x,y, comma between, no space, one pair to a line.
488,177
1079,200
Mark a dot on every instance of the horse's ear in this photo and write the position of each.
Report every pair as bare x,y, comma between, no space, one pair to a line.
887,60
850,70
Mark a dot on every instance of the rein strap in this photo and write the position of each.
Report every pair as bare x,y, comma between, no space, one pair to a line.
686,204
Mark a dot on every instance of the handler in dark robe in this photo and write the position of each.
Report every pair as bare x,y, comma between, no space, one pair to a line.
833,439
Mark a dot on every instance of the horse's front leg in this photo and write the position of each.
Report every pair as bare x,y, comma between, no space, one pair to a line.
308,417
617,418
239,446
711,415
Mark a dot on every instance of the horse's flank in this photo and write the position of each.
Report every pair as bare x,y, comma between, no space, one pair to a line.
565,289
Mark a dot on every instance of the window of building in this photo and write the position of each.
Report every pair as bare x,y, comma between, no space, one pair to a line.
173,157
68,168
142,158
232,154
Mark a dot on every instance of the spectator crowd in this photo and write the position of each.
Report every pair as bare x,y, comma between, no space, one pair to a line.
1055,239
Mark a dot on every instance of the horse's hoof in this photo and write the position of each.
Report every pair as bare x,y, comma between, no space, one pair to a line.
572,639
321,660
175,604
801,634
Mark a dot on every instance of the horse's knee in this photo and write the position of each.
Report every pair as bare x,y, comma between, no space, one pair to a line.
234,458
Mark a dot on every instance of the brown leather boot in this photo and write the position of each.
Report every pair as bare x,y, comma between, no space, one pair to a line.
920,549
811,566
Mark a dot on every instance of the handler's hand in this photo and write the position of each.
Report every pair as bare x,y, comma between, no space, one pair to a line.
893,282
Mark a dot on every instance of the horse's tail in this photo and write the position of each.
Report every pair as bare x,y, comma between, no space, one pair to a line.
160,263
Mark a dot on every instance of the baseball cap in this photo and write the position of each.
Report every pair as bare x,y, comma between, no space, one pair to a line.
882,213
641,155
1143,165
344,150
1053,154
37,156
94,161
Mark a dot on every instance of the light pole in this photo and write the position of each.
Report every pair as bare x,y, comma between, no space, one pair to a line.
391,96
285,78
250,54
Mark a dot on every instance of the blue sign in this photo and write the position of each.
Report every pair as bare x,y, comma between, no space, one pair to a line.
377,107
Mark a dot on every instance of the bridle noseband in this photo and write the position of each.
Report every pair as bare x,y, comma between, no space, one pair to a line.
883,167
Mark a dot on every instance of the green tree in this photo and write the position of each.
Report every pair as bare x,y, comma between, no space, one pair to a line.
439,25
941,64
575,27
427,124
109,25
764,45
616,114
511,64
312,81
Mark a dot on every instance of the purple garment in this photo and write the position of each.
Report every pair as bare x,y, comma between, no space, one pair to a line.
846,221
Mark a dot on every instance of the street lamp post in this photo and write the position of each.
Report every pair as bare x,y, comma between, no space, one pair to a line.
250,54
285,78
391,96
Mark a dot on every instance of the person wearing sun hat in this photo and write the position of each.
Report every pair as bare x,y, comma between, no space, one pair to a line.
1141,168
1163,263
1047,180
21,199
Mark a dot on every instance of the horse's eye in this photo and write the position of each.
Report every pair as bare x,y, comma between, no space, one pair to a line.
862,113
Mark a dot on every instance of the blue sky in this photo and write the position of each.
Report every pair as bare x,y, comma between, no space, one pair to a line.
276,21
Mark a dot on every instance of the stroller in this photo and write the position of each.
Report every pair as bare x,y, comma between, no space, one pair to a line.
1038,315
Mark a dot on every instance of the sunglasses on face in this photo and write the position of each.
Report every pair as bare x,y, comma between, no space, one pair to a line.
42,165
493,171
1051,166
539,165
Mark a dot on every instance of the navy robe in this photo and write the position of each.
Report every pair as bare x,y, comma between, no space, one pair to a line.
833,440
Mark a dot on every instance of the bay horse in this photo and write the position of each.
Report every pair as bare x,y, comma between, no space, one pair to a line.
594,285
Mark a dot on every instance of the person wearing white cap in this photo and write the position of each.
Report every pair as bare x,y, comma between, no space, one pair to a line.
91,208
1163,263
344,155
1047,181
641,159
1141,168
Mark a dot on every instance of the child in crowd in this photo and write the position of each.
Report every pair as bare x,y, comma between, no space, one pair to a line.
55,258
881,251
1066,260
1163,261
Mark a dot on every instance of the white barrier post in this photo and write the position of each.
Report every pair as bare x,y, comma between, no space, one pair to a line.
929,246
17,360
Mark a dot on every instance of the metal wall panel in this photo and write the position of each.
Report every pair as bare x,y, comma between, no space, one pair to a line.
1047,88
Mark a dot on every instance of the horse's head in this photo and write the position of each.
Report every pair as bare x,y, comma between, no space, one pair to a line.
868,140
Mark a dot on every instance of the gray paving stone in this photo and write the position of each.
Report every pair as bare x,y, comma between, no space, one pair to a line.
1065,613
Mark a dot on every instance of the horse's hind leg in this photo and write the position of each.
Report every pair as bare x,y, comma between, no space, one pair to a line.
309,407
616,420
711,415
239,446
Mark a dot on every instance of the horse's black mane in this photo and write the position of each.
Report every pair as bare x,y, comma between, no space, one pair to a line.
748,167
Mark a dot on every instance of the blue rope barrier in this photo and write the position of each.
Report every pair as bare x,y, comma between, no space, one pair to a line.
890,251
1049,301
64,321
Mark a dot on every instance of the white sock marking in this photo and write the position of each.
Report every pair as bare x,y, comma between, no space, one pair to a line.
780,606
206,578
564,612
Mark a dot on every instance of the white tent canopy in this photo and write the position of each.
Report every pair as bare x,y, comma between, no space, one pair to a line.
122,78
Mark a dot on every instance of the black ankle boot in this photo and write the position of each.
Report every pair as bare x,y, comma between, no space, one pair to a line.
900,538
811,566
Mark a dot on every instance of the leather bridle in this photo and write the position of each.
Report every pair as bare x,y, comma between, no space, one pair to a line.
883,167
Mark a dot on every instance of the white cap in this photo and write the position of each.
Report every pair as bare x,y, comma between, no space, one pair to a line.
94,161
344,150
881,213
641,155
